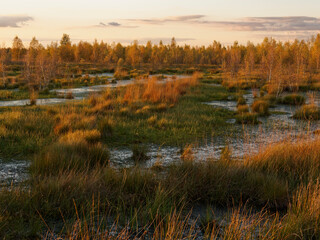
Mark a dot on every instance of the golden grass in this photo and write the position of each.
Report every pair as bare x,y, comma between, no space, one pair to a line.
157,92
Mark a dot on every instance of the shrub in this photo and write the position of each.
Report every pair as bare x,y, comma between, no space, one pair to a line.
261,107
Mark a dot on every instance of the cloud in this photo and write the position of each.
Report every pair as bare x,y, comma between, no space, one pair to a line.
112,24
291,23
167,19
14,21
295,23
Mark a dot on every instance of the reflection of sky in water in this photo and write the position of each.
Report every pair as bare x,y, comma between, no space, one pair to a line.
248,139
79,93
13,171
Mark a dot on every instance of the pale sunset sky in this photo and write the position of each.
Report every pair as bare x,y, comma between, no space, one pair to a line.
189,21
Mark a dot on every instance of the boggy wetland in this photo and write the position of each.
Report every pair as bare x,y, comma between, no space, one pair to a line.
152,141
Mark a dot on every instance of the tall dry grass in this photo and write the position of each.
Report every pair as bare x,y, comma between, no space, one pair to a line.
158,92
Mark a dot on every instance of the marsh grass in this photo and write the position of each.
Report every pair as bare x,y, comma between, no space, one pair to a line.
247,118
293,99
72,190
281,178
296,161
260,107
308,112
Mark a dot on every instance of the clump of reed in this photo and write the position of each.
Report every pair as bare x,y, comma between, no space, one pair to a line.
33,98
293,99
139,153
69,95
242,109
247,117
155,92
303,218
241,101
121,74
296,161
68,155
187,153
260,107
308,112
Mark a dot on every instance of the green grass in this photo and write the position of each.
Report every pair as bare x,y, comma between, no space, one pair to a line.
72,188
247,118
187,121
26,130
9,95
293,99
268,182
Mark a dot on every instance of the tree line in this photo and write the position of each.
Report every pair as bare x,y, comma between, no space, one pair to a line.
273,59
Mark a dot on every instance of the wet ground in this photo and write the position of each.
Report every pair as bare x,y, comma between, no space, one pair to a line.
80,92
246,140
13,171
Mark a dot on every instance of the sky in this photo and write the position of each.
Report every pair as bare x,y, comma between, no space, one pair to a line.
195,22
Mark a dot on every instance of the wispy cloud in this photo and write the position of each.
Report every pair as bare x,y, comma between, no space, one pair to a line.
292,23
185,18
14,21
295,23
112,24
103,25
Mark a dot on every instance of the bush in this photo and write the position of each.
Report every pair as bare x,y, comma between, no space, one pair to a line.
308,112
261,107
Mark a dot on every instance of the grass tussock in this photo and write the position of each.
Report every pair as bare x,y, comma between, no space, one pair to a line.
283,177
260,107
295,161
293,99
70,156
308,112
155,92
247,118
